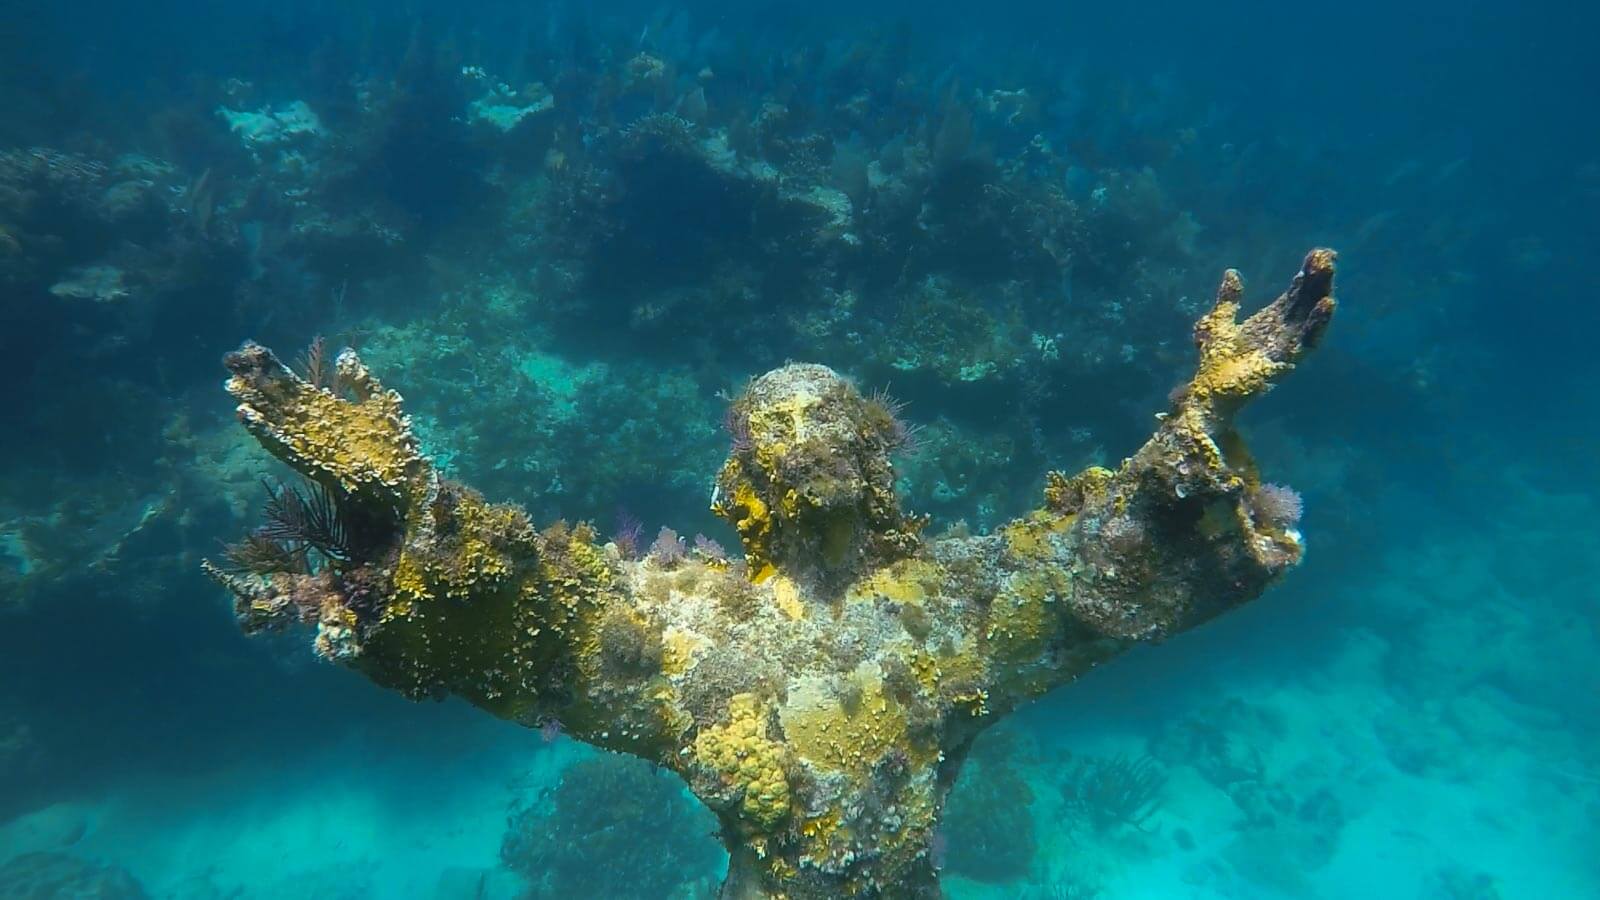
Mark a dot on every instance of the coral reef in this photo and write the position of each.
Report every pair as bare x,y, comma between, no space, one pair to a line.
473,226
823,716
988,826
48,876
613,827
1114,792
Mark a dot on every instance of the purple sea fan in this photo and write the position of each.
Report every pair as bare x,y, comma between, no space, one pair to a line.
629,534
1277,505
668,549
549,729
710,549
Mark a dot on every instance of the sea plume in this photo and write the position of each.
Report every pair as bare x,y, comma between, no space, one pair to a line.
303,518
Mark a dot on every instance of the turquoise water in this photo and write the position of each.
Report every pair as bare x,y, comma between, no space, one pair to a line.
567,233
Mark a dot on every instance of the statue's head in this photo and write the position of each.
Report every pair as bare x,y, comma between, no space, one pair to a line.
809,483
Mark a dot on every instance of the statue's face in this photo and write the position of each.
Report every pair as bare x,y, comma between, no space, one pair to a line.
809,481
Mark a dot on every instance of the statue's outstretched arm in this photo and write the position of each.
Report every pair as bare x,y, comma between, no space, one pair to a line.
419,582
1183,530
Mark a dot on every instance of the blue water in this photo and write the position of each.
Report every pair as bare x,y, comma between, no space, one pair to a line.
1412,713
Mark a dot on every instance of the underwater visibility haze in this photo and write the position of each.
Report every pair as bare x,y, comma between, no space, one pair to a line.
689,450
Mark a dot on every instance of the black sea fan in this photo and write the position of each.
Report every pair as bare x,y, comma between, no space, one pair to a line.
259,554
306,518
1121,790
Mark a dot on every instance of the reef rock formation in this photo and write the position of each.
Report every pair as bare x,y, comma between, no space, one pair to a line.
45,876
821,694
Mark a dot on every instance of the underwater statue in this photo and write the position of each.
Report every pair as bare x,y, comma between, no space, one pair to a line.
821,693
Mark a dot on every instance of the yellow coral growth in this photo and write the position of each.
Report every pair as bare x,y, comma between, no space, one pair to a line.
1022,617
976,700
745,758
750,516
363,443
847,734
963,664
787,597
1067,495
680,650
1231,369
1029,539
1226,375
776,424
580,572
487,540
359,444
906,581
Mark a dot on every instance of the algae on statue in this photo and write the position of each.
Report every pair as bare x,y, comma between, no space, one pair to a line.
821,694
